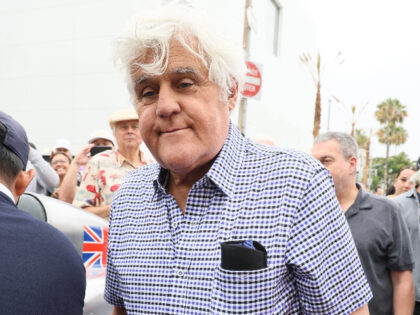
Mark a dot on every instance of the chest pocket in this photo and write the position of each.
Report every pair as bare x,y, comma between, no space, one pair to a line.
244,292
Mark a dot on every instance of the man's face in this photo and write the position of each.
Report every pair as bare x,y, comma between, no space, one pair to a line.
342,170
183,121
127,134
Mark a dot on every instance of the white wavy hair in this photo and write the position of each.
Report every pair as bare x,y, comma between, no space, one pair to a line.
415,178
154,30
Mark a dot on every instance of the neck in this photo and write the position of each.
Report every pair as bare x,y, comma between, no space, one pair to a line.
9,189
132,156
347,196
179,184
418,188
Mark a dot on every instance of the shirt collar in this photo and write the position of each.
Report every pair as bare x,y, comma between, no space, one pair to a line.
362,202
121,159
227,161
7,192
411,193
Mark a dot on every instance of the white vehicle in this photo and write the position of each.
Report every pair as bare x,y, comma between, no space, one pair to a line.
89,235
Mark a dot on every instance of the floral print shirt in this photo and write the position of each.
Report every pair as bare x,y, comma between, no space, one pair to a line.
102,176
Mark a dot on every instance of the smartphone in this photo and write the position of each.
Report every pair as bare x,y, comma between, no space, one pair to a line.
98,149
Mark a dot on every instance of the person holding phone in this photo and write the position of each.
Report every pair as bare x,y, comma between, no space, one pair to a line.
106,170
99,141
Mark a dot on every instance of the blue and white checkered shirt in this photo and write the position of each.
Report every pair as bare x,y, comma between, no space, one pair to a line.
163,262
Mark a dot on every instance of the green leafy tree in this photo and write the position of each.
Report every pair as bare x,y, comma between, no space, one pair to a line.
395,163
390,114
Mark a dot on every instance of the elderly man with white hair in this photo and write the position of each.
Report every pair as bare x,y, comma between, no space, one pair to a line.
220,224
409,203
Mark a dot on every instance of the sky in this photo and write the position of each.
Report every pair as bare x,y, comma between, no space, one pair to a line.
380,45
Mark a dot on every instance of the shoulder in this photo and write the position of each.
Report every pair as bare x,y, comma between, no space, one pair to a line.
405,198
407,204
384,206
379,202
141,178
38,236
283,159
146,173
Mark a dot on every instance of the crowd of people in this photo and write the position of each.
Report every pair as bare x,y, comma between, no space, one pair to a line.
90,178
219,224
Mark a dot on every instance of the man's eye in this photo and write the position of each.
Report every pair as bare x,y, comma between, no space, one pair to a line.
185,84
148,94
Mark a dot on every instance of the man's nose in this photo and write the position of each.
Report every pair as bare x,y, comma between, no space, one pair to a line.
167,103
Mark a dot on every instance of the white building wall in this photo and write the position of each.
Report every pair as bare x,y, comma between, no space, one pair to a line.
58,79
286,109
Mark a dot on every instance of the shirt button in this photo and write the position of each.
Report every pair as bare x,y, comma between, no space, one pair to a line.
174,225
180,273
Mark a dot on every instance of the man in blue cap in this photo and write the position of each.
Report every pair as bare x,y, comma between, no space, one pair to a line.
40,270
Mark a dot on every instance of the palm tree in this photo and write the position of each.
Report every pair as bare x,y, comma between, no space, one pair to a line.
361,138
316,77
397,135
390,113
367,146
363,142
353,111
317,70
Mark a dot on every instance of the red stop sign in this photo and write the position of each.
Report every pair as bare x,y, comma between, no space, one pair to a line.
252,81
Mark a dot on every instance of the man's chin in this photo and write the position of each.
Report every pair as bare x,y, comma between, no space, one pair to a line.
131,145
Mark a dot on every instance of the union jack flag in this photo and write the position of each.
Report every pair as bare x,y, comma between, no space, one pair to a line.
95,241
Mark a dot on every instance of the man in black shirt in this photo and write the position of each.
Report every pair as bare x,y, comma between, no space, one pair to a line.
378,229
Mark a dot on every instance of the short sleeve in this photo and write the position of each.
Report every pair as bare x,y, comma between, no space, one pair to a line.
112,289
88,193
112,284
322,255
400,255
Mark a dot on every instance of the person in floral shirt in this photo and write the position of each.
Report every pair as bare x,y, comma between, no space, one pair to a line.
105,171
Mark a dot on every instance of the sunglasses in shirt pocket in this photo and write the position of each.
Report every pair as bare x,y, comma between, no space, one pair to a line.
243,255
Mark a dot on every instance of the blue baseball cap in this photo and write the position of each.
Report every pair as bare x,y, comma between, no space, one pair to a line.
13,137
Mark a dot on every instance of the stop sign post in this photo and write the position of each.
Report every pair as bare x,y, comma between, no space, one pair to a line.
253,81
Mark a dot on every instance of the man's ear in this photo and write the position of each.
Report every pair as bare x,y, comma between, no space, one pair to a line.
233,97
353,164
22,181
